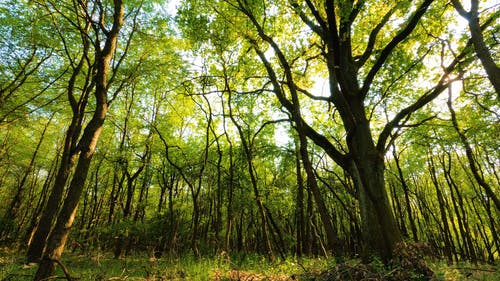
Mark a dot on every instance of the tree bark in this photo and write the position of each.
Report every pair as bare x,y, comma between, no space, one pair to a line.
482,51
86,148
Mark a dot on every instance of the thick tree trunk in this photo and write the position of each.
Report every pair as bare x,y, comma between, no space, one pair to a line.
366,167
378,227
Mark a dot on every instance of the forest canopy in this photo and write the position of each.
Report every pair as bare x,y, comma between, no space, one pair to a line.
283,128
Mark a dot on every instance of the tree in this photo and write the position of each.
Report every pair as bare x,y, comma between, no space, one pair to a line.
78,102
25,53
338,34
478,40
470,155
13,210
104,52
270,127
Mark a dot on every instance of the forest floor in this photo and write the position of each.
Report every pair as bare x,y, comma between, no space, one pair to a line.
100,267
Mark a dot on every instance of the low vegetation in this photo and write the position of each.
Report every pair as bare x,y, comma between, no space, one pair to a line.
102,266
141,138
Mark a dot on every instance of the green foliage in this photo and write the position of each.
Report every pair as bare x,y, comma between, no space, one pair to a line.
170,97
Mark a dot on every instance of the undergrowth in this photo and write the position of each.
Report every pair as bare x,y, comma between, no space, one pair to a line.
102,266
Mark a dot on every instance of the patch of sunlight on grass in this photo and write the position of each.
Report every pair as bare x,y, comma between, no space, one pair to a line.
463,271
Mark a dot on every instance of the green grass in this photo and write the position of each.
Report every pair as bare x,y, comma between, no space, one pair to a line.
102,266
465,271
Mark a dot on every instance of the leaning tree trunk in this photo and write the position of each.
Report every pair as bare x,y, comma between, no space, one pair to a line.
69,154
87,145
60,233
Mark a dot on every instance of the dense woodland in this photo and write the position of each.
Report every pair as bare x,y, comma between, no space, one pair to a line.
282,128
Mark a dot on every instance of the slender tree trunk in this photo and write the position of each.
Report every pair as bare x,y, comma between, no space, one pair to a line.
474,166
114,195
219,194
230,191
38,241
494,224
230,184
260,205
38,208
398,211
299,206
127,210
248,149
449,248
331,236
458,205
308,247
404,184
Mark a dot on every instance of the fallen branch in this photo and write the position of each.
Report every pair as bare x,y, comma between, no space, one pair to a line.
64,269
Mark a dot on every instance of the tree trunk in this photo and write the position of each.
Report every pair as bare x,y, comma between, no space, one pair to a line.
230,191
331,235
38,241
413,227
38,207
482,50
379,229
299,206
87,145
474,167
449,247
378,226
57,239
69,154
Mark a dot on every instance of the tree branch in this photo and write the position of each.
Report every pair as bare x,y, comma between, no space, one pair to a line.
361,60
386,52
